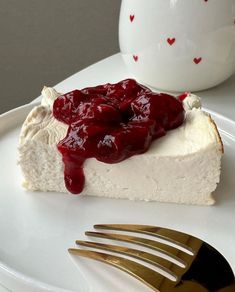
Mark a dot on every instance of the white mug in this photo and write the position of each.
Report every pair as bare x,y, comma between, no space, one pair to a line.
178,45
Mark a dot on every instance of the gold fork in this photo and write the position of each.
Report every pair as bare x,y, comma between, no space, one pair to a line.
195,265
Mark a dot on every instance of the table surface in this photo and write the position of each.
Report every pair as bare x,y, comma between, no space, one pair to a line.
219,99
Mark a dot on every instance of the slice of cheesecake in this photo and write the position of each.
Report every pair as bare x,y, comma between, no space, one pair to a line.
181,167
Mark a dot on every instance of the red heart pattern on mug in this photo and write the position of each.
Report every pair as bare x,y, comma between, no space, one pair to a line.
197,60
136,58
171,41
132,17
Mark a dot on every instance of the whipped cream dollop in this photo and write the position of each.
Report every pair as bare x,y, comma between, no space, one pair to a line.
49,95
192,101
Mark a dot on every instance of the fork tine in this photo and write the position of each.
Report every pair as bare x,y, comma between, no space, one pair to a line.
161,263
184,240
170,251
151,278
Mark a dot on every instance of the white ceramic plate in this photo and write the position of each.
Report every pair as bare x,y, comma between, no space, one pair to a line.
37,228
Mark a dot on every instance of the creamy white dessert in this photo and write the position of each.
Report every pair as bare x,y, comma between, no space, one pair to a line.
181,167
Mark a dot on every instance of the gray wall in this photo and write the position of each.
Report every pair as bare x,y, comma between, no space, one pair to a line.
45,41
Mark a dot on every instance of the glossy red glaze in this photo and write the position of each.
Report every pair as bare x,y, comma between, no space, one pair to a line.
111,122
183,96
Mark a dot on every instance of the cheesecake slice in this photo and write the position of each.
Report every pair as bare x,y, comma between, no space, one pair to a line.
181,167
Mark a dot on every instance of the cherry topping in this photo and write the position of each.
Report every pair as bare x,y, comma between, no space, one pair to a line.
183,96
111,122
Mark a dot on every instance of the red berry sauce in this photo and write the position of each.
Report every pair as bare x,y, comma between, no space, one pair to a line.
111,122
183,96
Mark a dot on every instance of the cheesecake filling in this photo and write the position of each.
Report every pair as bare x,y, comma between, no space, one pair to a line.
111,123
